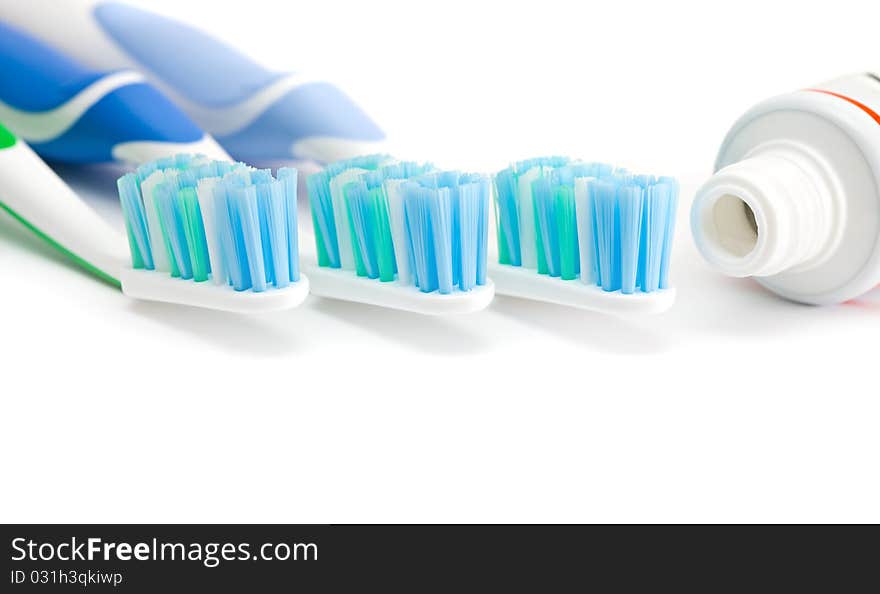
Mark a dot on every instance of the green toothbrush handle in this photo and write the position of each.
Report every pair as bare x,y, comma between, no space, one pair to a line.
40,200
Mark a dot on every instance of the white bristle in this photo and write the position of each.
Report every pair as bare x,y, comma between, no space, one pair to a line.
205,192
527,244
340,215
397,220
586,240
160,256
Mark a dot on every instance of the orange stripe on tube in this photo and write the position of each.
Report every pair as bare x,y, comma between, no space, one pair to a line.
858,104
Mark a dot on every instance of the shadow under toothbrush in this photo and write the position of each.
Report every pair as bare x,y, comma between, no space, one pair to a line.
95,181
258,335
446,335
594,331
96,186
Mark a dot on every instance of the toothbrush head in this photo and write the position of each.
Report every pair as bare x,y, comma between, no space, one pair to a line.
401,235
585,235
212,234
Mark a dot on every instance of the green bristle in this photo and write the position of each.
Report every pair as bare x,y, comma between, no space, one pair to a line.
540,184
137,261
506,216
166,239
359,265
195,234
566,222
378,231
318,185
385,247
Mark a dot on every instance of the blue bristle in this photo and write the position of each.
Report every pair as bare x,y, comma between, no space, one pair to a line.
417,200
564,176
446,179
362,220
186,179
545,221
643,181
171,218
231,184
253,214
447,218
606,215
405,170
165,163
368,162
321,202
550,161
288,177
233,247
668,186
223,235
244,201
265,200
144,171
471,230
580,169
451,180
135,221
182,160
474,220
630,199
507,215
482,190
373,179
657,220
441,210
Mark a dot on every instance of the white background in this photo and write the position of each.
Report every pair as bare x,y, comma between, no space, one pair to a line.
735,406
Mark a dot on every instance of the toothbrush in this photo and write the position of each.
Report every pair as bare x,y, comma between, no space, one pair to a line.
400,235
584,235
222,234
70,113
36,197
255,113
77,115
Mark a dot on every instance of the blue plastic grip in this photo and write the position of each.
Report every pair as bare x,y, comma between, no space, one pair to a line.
133,113
194,64
36,78
211,74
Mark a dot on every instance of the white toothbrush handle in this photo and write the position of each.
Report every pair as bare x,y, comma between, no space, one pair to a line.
32,193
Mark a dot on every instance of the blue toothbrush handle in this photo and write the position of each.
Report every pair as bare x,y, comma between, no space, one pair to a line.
255,113
68,112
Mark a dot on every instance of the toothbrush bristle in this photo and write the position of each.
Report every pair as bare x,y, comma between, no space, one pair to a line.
406,222
321,200
368,212
196,219
447,218
590,221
